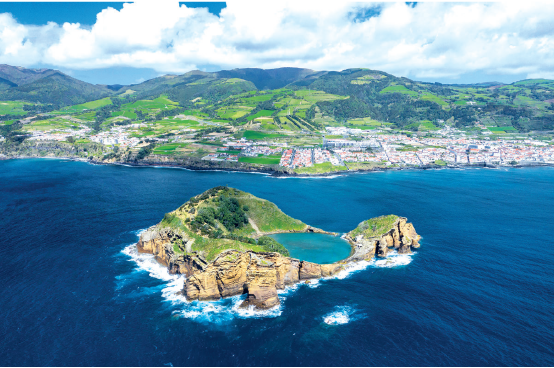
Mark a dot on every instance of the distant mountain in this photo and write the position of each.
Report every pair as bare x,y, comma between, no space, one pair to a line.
54,88
191,85
468,85
267,78
349,95
5,84
20,76
219,85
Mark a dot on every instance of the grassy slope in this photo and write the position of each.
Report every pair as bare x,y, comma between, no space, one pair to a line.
12,107
325,167
261,160
374,227
266,215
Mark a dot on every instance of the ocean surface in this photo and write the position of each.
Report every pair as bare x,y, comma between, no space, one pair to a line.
479,291
314,247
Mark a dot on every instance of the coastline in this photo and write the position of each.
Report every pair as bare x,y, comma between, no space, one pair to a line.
276,173
261,273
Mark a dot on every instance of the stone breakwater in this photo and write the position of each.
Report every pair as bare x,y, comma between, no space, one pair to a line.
260,274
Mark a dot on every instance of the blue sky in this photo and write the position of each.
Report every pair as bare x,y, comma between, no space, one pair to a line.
76,12
117,43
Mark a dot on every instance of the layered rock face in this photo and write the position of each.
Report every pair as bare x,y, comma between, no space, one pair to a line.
160,242
401,237
260,274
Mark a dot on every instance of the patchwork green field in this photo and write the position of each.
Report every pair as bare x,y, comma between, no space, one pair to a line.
312,96
399,89
260,114
433,98
88,105
169,149
12,107
128,113
167,126
502,129
87,116
233,112
325,167
51,124
297,113
161,102
261,160
254,135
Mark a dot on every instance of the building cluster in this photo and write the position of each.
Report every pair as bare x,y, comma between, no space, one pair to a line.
306,157
117,135
244,144
323,155
58,135
260,150
303,157
342,131
361,156
221,156
286,158
397,149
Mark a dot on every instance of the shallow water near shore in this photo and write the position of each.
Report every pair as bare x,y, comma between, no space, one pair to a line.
478,291
314,247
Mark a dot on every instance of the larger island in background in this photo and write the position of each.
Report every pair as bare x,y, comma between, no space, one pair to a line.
218,239
286,121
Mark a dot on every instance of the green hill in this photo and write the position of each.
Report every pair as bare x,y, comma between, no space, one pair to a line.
57,89
267,78
294,99
226,218
20,76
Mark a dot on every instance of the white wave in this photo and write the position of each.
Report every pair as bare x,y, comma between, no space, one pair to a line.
350,268
224,310
393,259
229,308
313,283
148,263
250,312
138,232
340,316
288,289
172,292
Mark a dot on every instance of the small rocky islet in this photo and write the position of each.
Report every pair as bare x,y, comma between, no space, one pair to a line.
219,241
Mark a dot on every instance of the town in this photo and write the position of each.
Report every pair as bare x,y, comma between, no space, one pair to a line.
373,148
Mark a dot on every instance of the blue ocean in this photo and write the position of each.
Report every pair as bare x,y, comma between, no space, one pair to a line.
479,291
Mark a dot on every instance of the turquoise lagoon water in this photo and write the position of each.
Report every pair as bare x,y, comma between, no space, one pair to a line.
313,247
478,292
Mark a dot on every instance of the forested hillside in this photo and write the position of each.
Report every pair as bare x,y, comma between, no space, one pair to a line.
288,99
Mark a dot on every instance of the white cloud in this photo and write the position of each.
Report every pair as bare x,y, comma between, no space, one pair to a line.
426,41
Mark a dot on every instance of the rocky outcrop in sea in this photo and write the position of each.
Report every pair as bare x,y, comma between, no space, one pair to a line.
261,274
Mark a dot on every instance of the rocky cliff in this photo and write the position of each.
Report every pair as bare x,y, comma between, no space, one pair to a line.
261,274
395,233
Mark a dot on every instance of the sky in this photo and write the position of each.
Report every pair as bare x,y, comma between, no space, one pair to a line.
124,43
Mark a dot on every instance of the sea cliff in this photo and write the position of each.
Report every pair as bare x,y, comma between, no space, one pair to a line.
234,264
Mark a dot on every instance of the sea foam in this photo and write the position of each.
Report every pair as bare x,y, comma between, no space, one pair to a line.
216,311
341,315
229,308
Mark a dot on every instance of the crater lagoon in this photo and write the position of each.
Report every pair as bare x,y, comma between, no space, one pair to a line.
314,247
